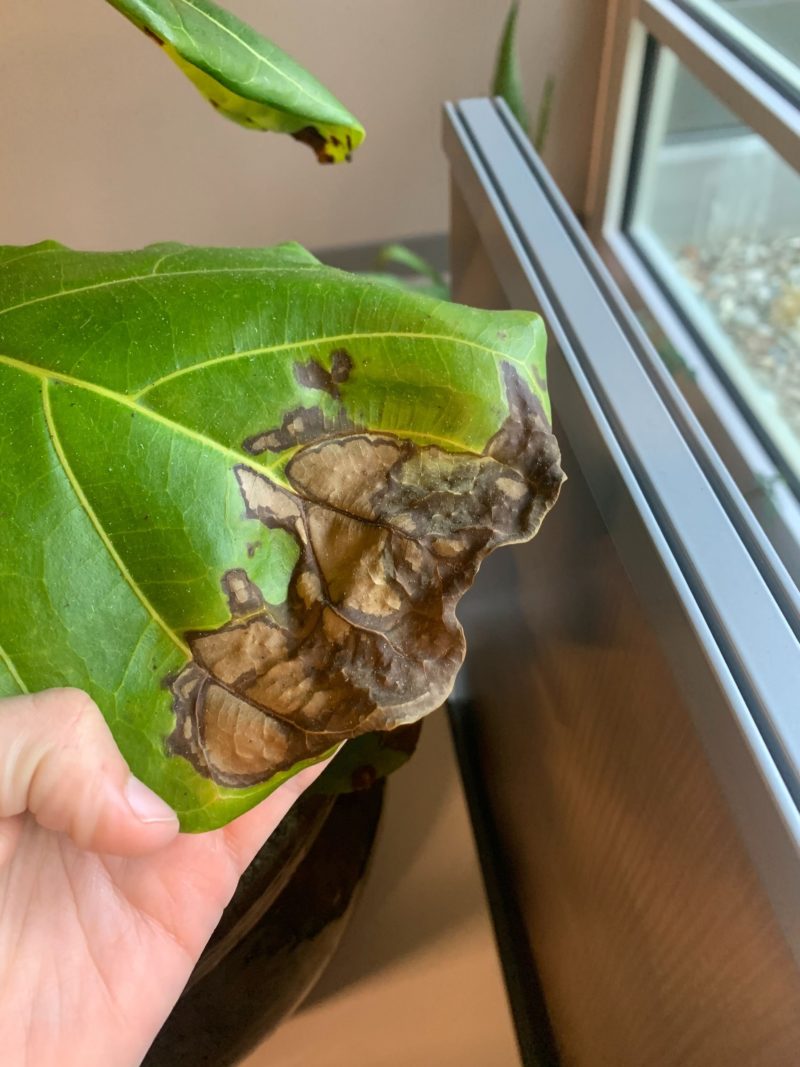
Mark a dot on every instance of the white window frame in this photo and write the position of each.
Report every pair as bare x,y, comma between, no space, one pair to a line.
702,41
723,607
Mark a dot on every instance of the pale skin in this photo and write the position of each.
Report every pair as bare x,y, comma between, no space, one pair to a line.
104,907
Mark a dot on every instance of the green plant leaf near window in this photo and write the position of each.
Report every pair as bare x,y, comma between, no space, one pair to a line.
241,495
507,81
244,76
423,277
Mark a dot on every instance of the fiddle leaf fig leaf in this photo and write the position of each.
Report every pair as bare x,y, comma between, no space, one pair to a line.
241,494
244,76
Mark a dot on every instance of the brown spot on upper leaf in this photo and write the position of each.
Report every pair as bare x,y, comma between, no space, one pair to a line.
315,141
389,535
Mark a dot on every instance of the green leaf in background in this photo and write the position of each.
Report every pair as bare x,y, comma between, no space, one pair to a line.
241,494
542,128
401,256
245,77
507,81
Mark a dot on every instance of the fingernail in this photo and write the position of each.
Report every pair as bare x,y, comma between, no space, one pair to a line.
145,805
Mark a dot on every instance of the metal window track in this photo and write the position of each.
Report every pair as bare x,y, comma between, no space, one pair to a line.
725,610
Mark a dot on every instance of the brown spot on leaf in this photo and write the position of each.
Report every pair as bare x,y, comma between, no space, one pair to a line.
229,740
244,598
389,535
153,36
363,778
341,365
314,376
300,426
315,141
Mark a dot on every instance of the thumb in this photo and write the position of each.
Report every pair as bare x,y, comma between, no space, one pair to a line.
59,762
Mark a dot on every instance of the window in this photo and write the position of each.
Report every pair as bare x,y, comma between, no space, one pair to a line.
715,213
627,715
695,205
768,30
665,589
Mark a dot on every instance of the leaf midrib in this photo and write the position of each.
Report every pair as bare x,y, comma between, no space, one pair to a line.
269,471
495,353
152,276
342,338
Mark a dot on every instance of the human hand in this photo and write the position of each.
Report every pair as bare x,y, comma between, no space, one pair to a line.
104,908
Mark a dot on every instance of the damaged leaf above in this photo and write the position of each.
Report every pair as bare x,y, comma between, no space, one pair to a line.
241,494
245,77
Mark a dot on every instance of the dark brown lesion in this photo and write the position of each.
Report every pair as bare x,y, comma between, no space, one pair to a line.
227,739
313,375
153,36
390,534
300,426
315,141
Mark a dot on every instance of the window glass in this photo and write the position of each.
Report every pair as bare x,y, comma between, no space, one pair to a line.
768,29
716,213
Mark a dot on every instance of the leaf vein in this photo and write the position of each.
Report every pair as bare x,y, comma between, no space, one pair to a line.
12,670
261,58
131,279
83,500
231,357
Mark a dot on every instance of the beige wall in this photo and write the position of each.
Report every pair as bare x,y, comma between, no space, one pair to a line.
103,145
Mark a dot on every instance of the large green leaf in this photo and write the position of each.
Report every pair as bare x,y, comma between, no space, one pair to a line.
241,494
245,77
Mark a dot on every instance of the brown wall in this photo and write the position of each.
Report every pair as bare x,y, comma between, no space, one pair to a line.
103,145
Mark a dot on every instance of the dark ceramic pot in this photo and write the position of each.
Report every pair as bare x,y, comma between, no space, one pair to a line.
276,935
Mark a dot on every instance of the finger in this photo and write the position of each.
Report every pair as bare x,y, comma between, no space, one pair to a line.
59,761
247,834
10,831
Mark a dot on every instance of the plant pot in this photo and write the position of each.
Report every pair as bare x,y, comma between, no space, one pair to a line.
277,934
